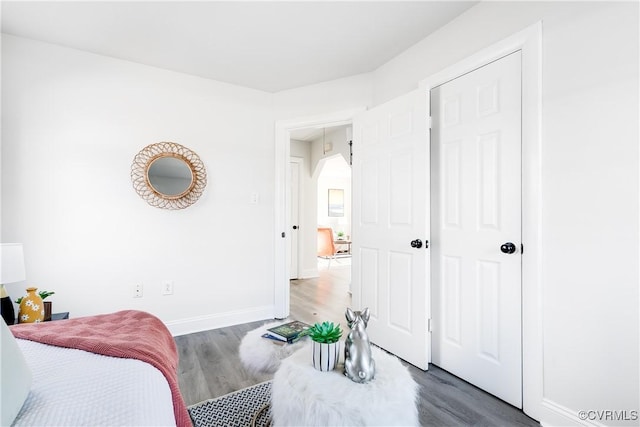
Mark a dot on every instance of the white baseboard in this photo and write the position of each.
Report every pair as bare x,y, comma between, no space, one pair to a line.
559,415
219,320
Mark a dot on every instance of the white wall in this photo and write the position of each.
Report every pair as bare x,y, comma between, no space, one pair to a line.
336,95
71,124
589,188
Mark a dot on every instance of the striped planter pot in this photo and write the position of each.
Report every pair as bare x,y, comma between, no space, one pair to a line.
325,356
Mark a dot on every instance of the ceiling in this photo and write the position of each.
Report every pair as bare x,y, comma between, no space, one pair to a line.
265,45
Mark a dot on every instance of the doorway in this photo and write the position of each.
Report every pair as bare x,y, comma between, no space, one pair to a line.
320,196
319,193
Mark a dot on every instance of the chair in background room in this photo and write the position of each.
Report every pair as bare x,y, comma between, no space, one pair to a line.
326,247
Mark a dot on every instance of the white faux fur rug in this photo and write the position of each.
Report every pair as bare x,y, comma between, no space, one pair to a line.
303,396
262,356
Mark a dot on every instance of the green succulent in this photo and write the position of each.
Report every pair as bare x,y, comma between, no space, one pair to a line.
325,332
45,294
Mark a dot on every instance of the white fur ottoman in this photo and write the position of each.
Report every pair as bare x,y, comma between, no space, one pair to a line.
303,396
262,356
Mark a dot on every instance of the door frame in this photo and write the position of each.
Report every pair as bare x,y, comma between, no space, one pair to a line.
282,203
529,42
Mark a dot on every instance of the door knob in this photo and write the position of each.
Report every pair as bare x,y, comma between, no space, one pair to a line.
508,248
295,227
416,243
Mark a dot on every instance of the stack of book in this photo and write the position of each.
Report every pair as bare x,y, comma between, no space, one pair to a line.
287,333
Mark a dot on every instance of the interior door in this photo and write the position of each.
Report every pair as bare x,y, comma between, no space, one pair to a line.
390,225
476,227
294,196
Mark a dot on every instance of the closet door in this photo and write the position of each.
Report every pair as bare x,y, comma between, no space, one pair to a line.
476,228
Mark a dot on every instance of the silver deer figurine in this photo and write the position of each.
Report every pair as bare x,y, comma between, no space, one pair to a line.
359,366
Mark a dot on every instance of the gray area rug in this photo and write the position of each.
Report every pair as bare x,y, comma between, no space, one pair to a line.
247,407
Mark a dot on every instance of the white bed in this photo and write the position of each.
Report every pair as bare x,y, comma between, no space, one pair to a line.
77,388
117,369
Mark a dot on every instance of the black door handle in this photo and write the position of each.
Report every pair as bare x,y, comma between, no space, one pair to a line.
508,248
295,227
416,243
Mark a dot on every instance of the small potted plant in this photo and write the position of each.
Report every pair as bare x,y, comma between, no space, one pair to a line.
325,349
340,235
47,304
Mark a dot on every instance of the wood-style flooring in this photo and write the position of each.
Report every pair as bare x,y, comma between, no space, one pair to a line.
323,298
210,366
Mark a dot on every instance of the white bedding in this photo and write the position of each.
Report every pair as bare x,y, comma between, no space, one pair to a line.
77,388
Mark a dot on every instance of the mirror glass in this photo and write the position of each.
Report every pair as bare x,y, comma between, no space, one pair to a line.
170,176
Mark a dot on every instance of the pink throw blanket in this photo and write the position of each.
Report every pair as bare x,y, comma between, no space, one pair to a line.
126,334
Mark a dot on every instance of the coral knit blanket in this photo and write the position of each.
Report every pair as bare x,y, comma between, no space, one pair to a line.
126,334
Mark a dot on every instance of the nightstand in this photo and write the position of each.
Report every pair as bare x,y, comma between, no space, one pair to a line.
59,316
55,316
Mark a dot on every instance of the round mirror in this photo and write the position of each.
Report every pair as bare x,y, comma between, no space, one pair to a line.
170,176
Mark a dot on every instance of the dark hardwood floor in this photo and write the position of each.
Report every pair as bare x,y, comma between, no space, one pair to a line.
210,366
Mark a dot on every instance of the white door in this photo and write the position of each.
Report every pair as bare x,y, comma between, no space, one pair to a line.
476,200
294,196
390,183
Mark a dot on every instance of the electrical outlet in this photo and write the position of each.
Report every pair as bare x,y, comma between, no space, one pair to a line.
167,287
137,290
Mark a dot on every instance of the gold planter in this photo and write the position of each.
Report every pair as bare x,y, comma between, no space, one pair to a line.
31,307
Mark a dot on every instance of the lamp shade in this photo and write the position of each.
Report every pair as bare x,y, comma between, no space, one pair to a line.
11,263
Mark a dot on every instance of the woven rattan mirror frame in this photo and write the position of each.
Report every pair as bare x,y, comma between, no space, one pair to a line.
140,179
